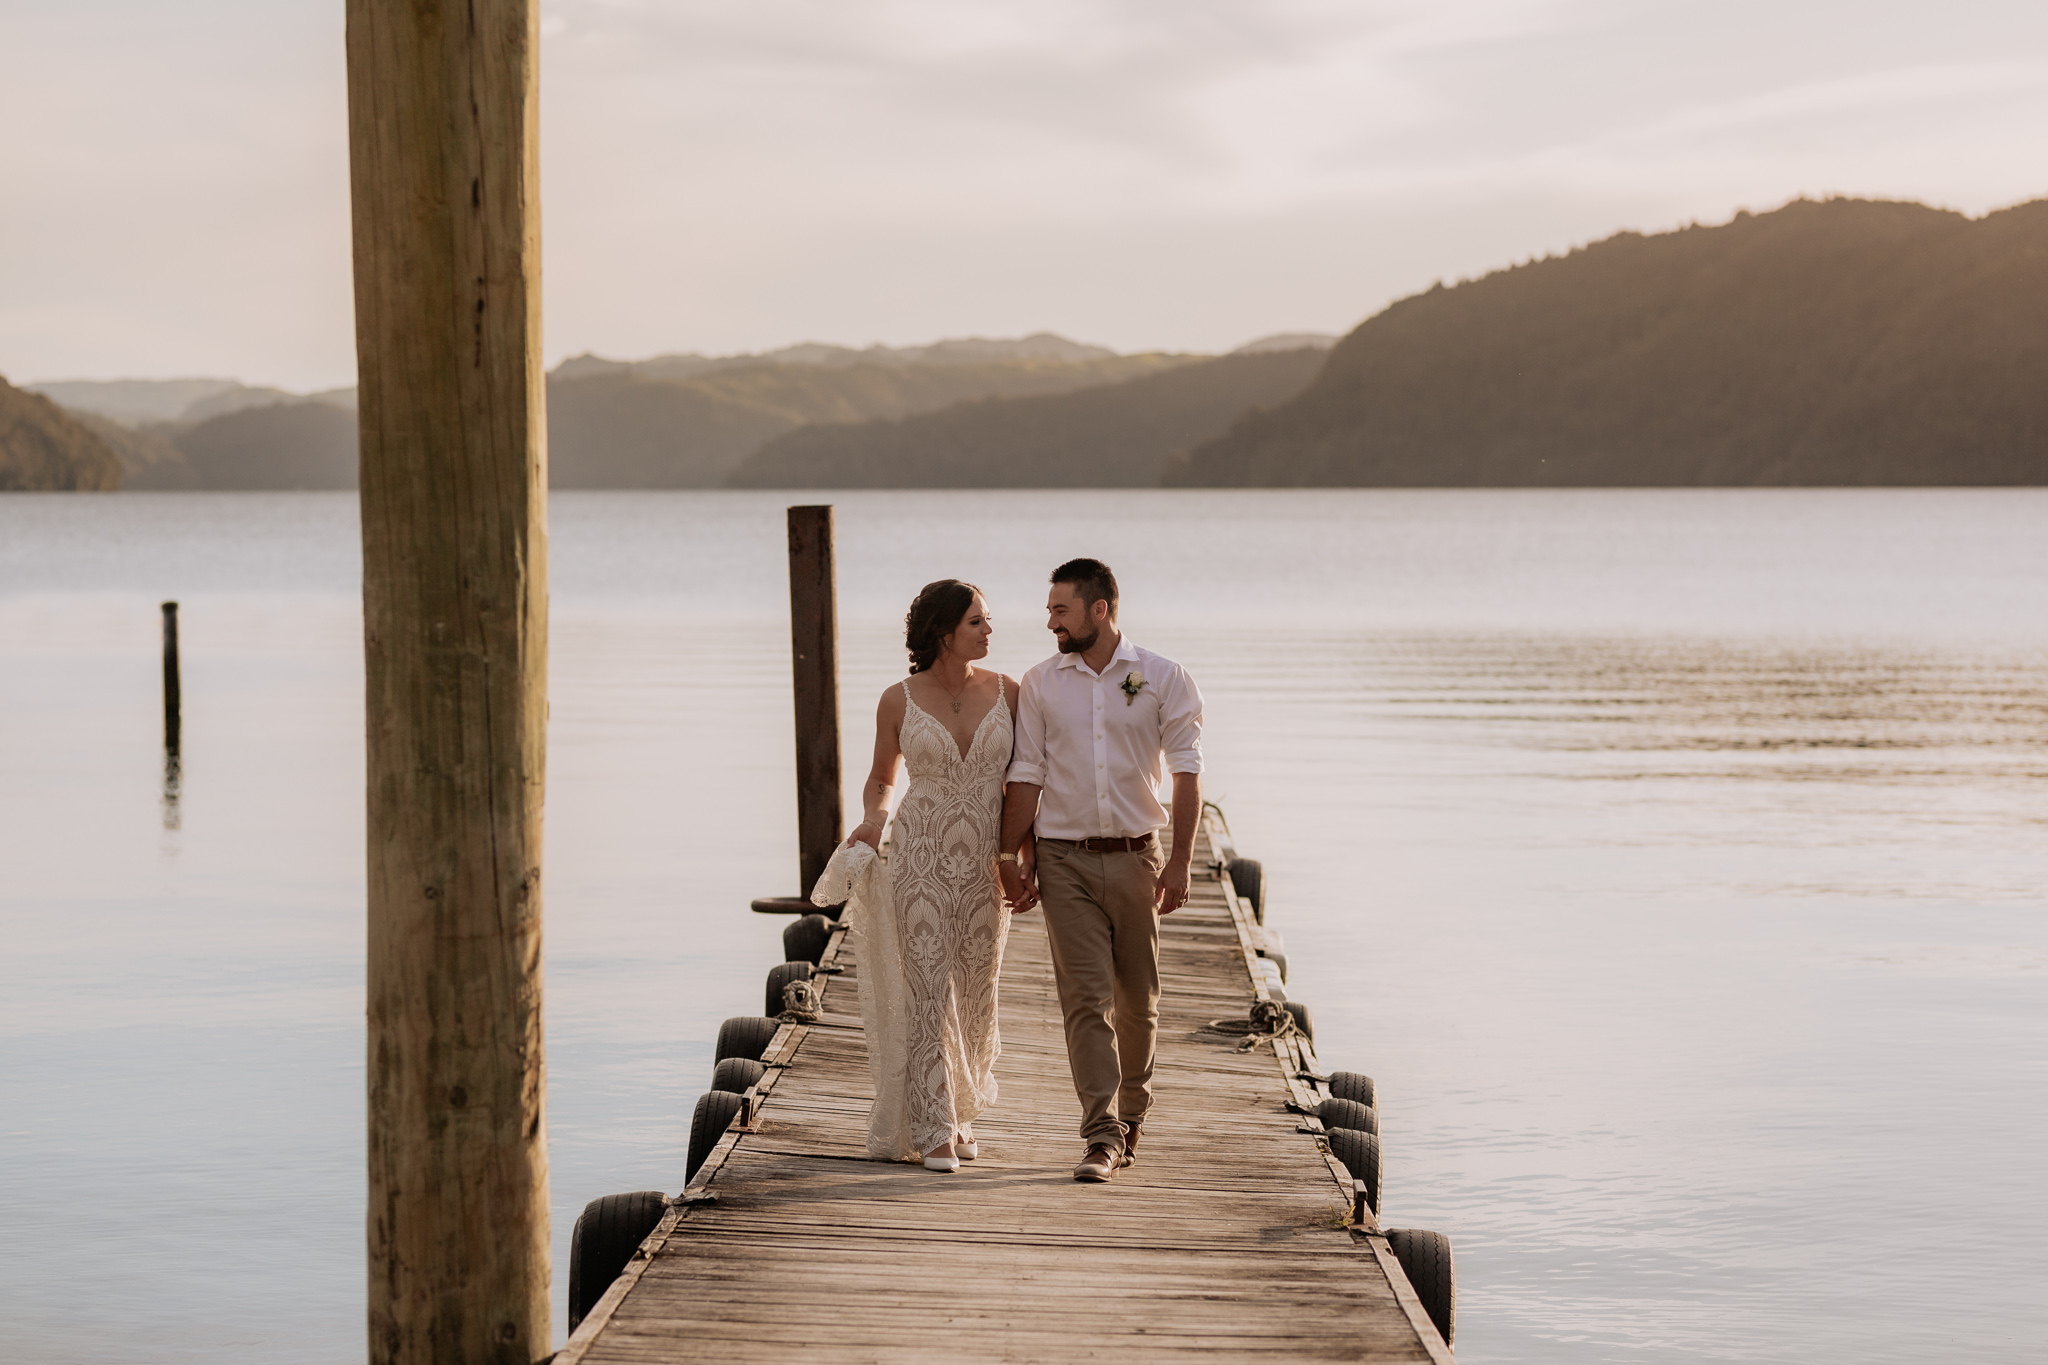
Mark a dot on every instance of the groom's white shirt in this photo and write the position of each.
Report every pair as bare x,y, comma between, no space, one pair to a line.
1095,751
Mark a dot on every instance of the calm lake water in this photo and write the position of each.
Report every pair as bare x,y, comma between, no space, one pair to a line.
1675,861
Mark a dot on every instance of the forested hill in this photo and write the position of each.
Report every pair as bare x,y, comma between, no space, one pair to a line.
1840,342
662,425
44,448
1109,436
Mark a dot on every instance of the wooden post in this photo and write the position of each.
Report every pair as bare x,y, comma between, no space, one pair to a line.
814,653
445,192
173,720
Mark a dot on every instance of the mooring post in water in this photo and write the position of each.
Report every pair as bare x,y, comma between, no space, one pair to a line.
814,652
172,701
174,722
445,196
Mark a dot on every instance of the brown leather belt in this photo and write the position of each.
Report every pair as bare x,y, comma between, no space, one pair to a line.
1137,845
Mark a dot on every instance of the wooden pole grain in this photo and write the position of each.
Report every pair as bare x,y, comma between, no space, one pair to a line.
814,657
445,194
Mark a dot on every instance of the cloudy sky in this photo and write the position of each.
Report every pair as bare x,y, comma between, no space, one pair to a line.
1177,174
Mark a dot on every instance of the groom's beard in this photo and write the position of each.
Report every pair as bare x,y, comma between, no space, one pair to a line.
1075,644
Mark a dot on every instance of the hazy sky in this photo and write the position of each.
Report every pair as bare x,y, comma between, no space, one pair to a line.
1180,174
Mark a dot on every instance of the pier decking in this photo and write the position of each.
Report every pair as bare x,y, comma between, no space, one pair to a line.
1229,1239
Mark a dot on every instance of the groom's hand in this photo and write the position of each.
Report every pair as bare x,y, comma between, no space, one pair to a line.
1172,890
1017,890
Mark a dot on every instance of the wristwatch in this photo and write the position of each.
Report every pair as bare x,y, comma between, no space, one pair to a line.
1006,858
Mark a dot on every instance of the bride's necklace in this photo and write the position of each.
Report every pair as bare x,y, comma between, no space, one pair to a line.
956,696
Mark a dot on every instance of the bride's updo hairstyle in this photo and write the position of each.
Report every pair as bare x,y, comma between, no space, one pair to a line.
938,611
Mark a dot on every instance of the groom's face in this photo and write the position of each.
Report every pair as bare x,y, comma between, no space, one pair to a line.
1075,624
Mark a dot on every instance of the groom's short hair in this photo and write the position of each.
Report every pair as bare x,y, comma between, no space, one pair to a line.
1091,581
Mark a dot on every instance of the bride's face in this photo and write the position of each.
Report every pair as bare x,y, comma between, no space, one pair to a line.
969,639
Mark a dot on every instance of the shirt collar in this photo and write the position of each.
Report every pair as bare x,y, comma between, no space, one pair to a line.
1125,650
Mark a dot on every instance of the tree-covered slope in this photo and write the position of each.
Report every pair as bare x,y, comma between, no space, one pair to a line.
1842,342
629,429
1109,436
45,449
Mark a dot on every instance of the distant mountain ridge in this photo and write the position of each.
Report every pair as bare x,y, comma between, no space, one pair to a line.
636,430
144,402
678,421
1105,436
1828,343
1043,347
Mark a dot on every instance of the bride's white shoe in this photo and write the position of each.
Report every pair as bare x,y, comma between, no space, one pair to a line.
946,1164
966,1148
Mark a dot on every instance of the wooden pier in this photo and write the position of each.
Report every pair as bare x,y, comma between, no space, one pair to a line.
1237,1235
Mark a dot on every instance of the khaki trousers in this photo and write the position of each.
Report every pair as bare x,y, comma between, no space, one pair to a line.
1101,914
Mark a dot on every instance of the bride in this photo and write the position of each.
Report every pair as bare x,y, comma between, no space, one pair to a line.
931,928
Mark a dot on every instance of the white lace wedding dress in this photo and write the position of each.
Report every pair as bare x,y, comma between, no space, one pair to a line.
929,931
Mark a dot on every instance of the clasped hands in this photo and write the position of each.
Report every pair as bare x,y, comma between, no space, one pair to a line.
1020,883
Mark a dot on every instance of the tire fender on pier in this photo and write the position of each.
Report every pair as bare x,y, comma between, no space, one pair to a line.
744,1035
1353,1085
608,1232
1426,1256
1360,1153
736,1075
1248,879
804,940
1335,1113
713,1115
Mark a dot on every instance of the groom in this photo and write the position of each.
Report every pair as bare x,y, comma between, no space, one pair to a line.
1093,723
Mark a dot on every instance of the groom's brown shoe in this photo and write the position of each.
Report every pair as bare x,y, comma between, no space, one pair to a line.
1099,1164
1130,1145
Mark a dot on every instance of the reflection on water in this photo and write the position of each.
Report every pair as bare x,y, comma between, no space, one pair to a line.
1674,861
1723,696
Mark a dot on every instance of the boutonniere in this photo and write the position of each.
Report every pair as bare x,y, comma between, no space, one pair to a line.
1133,684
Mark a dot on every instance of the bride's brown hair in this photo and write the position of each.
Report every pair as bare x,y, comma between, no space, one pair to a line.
936,613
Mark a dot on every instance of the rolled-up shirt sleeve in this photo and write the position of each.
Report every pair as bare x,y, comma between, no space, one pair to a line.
1027,759
1180,724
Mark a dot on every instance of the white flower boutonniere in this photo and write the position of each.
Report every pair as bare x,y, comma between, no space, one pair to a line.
1133,684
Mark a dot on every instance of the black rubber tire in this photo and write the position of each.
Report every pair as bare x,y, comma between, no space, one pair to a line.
1303,1020
1248,879
736,1075
713,1115
744,1035
1353,1085
1426,1256
805,940
1348,1114
608,1232
1360,1153
781,976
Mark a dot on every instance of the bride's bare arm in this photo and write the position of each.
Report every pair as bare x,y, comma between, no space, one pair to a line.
874,797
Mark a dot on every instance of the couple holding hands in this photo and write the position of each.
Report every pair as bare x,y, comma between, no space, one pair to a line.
1044,794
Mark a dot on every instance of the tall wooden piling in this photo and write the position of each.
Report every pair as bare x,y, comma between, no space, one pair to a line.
814,653
445,188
